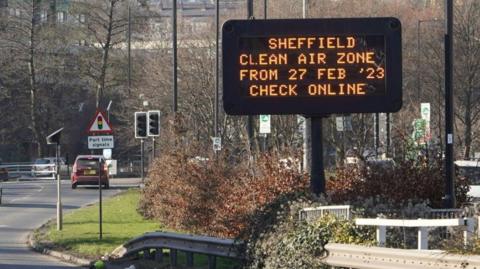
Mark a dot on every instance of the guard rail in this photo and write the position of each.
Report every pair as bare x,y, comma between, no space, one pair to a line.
339,255
190,244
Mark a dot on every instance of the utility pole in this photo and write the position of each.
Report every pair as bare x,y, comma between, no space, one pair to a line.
129,33
265,3
449,198
250,117
174,47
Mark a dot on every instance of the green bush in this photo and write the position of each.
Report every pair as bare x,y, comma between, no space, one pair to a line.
277,239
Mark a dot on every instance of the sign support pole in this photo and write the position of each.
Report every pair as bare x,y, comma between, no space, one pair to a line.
59,193
100,199
317,173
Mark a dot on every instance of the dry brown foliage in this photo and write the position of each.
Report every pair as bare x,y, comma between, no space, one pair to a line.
193,190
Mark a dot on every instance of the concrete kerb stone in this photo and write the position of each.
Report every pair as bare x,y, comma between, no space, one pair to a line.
57,254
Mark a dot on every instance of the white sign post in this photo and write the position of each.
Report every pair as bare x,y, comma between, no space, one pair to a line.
265,124
100,142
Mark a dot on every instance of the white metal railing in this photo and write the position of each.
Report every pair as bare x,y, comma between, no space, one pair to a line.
363,257
312,213
30,170
423,226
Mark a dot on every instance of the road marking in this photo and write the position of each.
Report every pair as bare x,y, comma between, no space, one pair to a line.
29,195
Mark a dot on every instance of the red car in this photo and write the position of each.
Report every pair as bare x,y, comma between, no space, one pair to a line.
86,171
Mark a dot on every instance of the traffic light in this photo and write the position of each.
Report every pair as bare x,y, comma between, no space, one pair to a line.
153,123
140,124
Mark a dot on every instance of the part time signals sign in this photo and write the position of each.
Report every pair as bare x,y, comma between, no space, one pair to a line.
312,67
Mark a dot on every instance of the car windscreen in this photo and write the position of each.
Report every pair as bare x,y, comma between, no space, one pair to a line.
93,163
42,161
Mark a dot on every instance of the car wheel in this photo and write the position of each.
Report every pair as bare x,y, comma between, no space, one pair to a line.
74,186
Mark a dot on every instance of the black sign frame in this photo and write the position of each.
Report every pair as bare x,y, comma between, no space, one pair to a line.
236,104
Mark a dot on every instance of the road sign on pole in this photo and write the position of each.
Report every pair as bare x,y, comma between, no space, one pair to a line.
99,125
100,142
217,143
265,124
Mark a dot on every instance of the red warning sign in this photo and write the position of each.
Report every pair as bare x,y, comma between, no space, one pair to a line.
99,125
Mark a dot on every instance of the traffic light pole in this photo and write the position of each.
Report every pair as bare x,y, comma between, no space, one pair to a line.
153,148
100,221
142,159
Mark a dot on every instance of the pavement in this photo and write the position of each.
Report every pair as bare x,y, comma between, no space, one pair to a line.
26,205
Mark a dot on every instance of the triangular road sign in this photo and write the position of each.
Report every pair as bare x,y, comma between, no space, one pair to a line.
99,124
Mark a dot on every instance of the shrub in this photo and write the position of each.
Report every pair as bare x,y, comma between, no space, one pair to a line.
277,239
407,181
214,195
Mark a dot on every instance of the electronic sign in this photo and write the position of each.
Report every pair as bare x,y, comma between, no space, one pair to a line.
312,66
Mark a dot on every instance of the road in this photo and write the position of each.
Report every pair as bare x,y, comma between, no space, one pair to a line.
27,205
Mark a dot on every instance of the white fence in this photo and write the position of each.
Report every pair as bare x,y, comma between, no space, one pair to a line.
31,170
423,226
312,213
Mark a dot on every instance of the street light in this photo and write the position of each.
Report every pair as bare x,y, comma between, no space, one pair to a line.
108,110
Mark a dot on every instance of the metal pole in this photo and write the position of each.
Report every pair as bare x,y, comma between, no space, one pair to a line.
418,60
217,67
59,193
250,117
307,126
376,141
174,46
449,199
129,50
304,9
388,135
153,148
100,234
265,9
317,173
142,159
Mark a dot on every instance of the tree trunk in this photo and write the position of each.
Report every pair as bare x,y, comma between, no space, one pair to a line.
106,49
468,128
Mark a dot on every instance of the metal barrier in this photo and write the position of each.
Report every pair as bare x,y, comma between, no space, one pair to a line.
362,257
421,224
30,170
312,213
190,244
339,255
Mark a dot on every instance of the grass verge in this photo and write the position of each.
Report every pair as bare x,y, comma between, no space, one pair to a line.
80,234
121,222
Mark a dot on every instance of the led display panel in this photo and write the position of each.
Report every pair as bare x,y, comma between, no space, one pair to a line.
312,66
